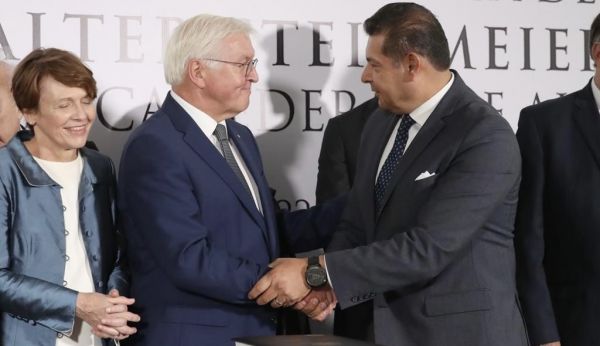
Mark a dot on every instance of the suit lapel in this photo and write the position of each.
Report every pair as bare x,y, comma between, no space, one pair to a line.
588,120
434,124
254,166
384,123
198,142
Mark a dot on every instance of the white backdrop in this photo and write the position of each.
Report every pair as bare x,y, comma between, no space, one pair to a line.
311,52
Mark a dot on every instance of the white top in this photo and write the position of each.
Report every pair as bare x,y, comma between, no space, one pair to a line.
420,116
208,126
78,275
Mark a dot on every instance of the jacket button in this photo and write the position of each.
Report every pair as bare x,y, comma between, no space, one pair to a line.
64,208
83,208
67,257
88,234
95,258
66,232
65,283
32,322
59,335
100,284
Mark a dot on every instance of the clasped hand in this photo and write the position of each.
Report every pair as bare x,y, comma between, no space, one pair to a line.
107,314
285,286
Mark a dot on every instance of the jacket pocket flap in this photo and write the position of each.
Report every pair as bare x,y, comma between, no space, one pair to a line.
200,316
453,303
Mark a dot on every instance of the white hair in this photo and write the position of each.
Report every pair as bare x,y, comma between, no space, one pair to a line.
197,37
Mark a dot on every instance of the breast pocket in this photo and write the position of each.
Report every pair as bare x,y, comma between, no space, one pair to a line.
425,182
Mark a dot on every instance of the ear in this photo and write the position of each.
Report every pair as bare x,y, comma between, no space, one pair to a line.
413,63
196,71
596,54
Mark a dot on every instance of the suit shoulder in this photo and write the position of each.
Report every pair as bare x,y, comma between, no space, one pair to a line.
552,107
156,129
480,113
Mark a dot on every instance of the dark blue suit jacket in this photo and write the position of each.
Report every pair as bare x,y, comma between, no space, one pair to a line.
558,221
198,243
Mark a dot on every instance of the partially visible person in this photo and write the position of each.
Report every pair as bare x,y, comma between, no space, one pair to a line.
337,168
61,265
9,113
339,151
558,219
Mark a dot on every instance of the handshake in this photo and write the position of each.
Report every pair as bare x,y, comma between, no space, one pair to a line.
285,285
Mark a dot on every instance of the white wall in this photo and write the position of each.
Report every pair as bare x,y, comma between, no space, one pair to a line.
509,52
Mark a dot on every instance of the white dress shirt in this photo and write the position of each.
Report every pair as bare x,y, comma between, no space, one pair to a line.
420,116
208,126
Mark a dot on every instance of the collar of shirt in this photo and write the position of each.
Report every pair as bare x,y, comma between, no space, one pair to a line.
596,93
203,120
422,113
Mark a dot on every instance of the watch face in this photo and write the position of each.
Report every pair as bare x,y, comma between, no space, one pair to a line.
315,276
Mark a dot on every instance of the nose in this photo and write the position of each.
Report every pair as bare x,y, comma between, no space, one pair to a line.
252,74
366,77
83,111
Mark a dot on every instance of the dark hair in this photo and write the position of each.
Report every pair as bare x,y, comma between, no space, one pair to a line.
61,65
595,32
409,27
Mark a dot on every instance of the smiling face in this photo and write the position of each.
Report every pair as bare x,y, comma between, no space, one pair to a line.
227,86
61,122
388,79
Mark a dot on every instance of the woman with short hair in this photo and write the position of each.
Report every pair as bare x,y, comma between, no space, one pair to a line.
61,266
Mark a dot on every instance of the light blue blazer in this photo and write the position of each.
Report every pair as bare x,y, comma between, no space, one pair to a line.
35,306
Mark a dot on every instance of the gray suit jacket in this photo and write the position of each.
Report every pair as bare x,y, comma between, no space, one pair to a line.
34,304
438,259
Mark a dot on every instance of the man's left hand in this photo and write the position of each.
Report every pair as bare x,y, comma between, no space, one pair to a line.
318,304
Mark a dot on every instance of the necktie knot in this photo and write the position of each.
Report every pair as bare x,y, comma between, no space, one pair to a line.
406,122
221,133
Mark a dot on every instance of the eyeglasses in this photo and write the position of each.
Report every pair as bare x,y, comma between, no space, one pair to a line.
250,65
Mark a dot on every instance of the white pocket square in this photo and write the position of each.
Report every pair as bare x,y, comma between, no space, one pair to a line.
425,175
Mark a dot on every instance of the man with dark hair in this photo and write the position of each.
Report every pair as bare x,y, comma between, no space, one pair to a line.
427,234
558,219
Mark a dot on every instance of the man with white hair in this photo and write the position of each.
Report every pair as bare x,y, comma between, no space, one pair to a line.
198,213
9,113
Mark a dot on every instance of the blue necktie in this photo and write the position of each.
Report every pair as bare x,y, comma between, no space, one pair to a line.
389,166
